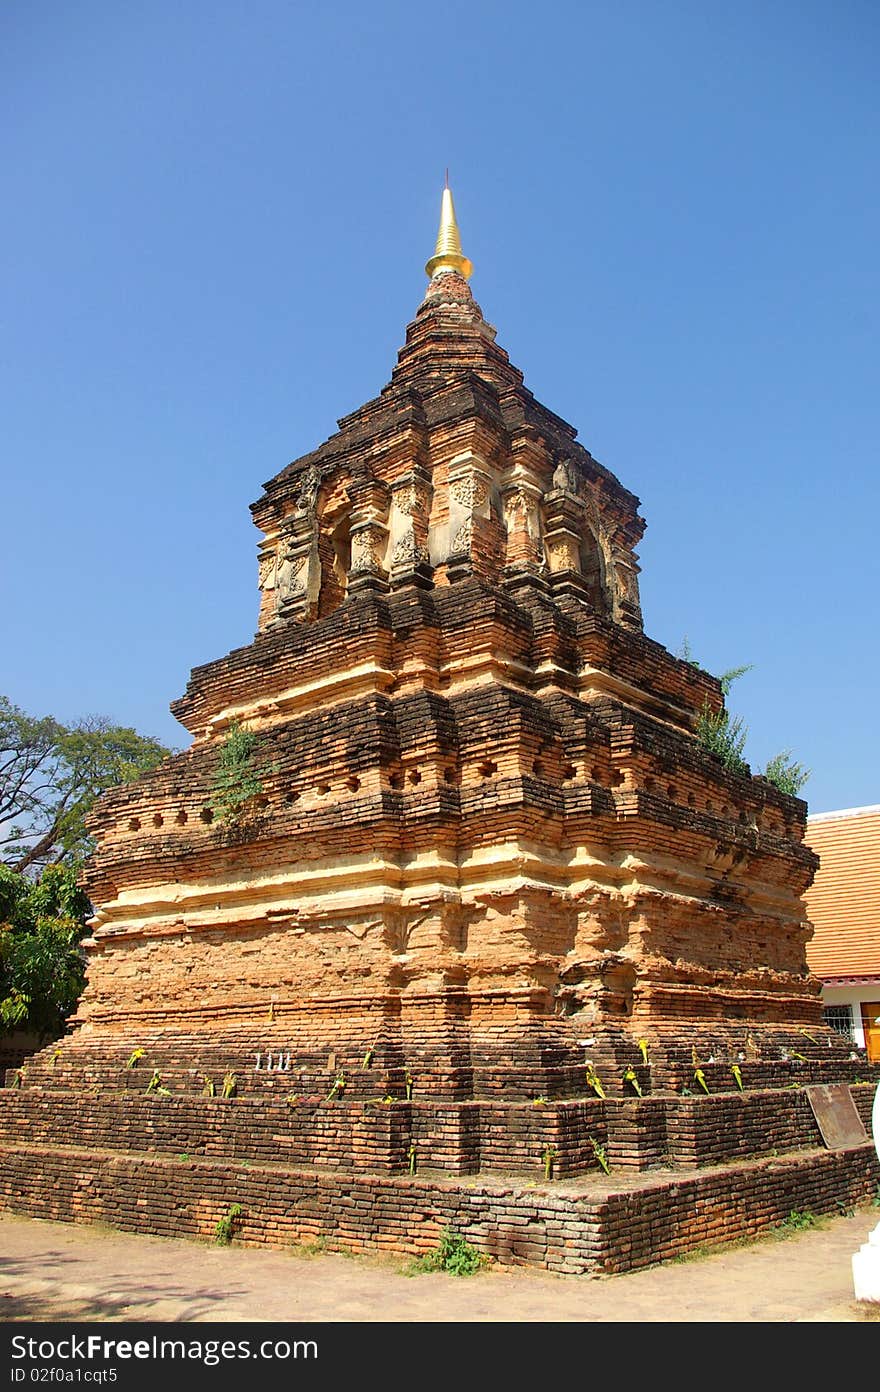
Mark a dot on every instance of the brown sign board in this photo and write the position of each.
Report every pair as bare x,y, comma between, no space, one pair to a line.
836,1115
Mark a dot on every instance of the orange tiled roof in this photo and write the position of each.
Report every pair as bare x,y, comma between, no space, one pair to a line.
844,901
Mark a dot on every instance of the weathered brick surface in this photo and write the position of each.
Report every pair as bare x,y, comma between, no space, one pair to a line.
494,908
560,1227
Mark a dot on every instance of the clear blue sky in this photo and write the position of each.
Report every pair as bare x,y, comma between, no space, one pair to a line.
215,220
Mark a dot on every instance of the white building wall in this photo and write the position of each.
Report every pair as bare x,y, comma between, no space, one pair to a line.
853,997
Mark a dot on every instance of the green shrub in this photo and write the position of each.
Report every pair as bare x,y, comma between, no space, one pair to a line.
454,1255
786,774
225,1229
799,1220
236,780
724,735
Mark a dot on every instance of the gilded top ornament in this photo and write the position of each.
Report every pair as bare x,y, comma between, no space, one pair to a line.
448,254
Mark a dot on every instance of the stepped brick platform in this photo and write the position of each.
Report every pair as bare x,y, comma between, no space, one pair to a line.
488,940
370,1168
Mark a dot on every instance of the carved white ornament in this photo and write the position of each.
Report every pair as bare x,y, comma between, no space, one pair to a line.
470,491
519,500
367,548
292,575
409,552
308,490
561,550
625,582
410,498
267,570
461,542
564,477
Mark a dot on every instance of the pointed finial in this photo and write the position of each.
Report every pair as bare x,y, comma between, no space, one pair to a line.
448,255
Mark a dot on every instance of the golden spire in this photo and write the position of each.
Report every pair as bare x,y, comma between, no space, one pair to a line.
447,253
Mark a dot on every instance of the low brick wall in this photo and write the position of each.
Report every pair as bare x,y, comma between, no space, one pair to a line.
452,1139
638,1134
717,1206
562,1228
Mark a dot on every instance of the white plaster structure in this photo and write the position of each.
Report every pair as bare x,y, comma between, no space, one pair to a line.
866,1261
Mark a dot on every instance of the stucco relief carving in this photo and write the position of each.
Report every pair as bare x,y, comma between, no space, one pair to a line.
410,499
624,581
310,483
461,542
627,584
562,553
368,548
470,492
593,515
409,552
292,576
267,570
565,479
518,503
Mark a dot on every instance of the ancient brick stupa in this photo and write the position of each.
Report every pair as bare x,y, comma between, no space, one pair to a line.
446,918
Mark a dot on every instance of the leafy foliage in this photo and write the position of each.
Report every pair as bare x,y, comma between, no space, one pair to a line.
236,780
786,774
725,735
799,1220
224,1230
454,1255
600,1153
733,674
42,971
50,776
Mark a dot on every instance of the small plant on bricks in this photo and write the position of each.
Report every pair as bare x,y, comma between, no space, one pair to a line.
454,1255
594,1082
798,1221
236,781
225,1229
337,1089
600,1154
630,1077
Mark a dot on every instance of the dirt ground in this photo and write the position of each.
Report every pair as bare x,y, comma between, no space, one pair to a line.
58,1271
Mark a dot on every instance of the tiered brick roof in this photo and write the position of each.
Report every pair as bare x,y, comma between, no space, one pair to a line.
844,901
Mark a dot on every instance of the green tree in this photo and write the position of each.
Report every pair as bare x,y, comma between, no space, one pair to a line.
50,776
42,969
